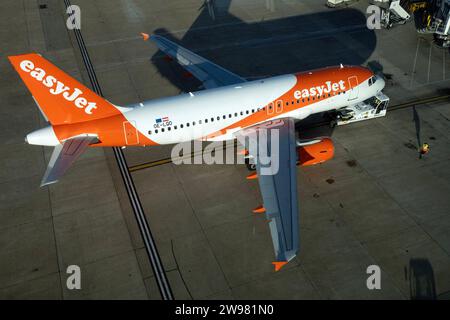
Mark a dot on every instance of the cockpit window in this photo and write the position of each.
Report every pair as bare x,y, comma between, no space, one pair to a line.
372,80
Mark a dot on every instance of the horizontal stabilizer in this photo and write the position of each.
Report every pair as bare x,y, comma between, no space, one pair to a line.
63,157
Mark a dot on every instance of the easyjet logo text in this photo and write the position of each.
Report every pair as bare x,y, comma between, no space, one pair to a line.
327,88
57,87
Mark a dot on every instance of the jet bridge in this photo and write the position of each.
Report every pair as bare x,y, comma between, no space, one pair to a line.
436,20
393,12
432,16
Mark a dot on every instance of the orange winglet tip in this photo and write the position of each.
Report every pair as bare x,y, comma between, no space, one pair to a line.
259,209
279,264
243,152
252,176
145,36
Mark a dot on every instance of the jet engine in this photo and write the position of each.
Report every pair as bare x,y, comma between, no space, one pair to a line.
314,151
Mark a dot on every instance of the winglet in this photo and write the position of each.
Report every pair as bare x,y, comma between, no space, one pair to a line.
279,264
145,36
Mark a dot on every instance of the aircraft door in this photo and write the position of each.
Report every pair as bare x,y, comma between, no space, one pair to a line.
130,132
354,89
274,109
279,106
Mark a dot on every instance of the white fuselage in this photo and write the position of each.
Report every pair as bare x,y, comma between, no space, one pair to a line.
198,115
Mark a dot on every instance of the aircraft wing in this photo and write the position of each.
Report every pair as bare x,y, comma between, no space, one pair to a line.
210,74
278,183
63,156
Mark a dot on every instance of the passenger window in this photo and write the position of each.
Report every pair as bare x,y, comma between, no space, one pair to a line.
206,120
235,114
168,128
218,118
175,127
199,121
156,131
162,129
187,124
212,119
181,126
230,115
253,110
224,117
246,112
193,123
149,131
242,113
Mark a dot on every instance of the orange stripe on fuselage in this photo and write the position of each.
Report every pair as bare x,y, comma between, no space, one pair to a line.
305,80
110,131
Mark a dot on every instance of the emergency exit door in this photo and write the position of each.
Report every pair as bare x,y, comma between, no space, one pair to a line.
354,89
130,131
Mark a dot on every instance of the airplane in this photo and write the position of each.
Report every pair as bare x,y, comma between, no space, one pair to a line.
228,107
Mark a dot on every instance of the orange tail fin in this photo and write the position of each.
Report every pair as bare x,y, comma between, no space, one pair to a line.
61,98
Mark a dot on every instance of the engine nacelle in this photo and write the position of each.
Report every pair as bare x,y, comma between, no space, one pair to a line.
312,153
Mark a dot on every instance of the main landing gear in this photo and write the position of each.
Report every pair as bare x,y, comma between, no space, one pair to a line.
251,166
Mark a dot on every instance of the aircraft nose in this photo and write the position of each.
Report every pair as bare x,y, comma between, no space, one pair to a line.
381,82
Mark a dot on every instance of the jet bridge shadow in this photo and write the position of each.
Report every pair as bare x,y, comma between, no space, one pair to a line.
421,280
272,47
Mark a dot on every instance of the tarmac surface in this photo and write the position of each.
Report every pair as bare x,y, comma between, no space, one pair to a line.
375,203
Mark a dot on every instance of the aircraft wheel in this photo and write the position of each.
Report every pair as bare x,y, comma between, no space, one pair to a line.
250,166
